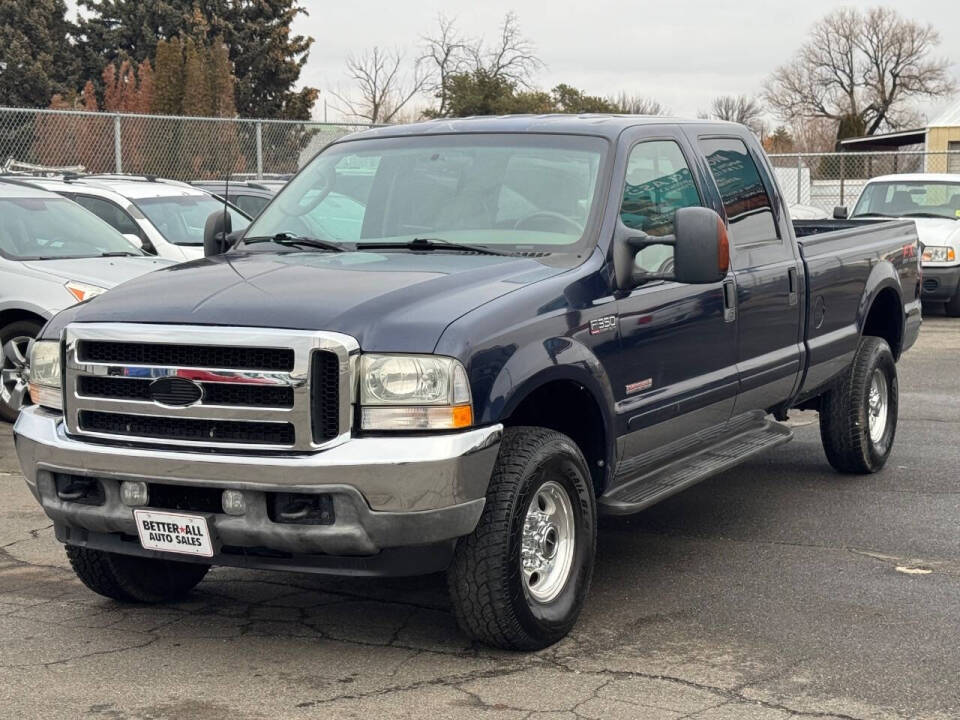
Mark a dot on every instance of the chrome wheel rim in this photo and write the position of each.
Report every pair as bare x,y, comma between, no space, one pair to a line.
13,381
546,551
878,405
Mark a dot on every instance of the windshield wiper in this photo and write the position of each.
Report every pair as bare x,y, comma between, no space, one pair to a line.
871,214
929,215
429,244
120,253
290,239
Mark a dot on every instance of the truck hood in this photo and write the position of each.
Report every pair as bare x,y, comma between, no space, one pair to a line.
399,301
102,272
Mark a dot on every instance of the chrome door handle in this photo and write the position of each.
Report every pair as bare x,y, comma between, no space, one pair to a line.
729,301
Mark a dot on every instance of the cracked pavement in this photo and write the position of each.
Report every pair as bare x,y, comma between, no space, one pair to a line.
777,590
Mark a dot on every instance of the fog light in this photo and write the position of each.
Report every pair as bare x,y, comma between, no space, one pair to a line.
233,502
134,492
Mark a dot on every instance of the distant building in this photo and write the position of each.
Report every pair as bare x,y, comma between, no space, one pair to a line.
942,135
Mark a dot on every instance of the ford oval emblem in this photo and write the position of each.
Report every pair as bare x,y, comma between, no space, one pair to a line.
171,390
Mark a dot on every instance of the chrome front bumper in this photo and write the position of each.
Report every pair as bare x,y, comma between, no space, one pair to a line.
388,492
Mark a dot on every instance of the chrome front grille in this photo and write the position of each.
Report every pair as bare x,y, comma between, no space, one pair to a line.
252,388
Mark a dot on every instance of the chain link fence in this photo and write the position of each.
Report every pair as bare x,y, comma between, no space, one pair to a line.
180,148
826,180
190,148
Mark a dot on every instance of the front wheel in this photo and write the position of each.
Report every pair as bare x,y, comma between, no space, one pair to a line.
858,417
520,579
14,340
132,579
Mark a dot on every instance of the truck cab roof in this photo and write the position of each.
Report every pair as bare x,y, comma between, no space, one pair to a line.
609,126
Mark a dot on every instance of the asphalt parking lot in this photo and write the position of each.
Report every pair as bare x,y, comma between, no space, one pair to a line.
776,590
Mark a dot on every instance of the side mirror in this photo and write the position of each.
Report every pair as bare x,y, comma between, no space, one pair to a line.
215,232
134,240
701,250
840,212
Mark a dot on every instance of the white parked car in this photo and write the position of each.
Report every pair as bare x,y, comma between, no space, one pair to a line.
933,201
807,212
53,254
166,216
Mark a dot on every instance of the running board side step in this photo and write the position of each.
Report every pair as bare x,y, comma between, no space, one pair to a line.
651,487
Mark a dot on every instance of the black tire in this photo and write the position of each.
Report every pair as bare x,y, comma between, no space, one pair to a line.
952,307
9,334
131,579
845,411
491,598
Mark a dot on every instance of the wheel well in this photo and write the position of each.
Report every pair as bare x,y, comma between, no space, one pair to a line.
15,315
569,408
885,319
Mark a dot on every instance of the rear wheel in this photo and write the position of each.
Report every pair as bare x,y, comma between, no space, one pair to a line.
14,340
520,579
134,579
858,417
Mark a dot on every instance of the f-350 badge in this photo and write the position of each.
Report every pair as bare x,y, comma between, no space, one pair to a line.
603,324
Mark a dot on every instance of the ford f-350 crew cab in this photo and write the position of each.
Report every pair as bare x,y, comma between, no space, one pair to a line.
449,346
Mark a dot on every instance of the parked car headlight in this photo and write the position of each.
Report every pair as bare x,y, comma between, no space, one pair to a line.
45,382
936,253
413,392
83,291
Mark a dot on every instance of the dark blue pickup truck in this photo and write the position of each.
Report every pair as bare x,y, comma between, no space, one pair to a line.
449,346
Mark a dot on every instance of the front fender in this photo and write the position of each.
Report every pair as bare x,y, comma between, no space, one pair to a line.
537,364
22,305
503,380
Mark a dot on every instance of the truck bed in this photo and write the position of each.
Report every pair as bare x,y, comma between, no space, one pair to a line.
806,228
843,261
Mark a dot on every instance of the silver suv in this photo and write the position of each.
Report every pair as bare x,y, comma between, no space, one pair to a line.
167,217
53,254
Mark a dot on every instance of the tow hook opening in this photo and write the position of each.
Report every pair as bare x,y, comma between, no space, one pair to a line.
300,508
78,489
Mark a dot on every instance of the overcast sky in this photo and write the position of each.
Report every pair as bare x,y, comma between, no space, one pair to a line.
680,52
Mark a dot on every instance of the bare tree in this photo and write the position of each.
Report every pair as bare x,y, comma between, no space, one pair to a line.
382,90
448,56
813,135
739,109
637,105
512,58
860,70
444,55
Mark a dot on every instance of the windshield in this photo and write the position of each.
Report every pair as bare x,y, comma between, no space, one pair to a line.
514,192
902,199
180,219
51,228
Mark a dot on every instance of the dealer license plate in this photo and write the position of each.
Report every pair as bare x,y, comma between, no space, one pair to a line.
173,532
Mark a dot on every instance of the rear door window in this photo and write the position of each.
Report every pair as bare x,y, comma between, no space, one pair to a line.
745,197
251,204
110,213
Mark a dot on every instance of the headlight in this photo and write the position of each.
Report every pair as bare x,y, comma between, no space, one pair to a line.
45,384
939,254
83,291
413,392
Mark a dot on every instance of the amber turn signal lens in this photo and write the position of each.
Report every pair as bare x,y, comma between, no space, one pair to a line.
723,246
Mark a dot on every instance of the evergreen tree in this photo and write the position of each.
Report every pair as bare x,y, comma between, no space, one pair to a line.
267,58
168,78
35,56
